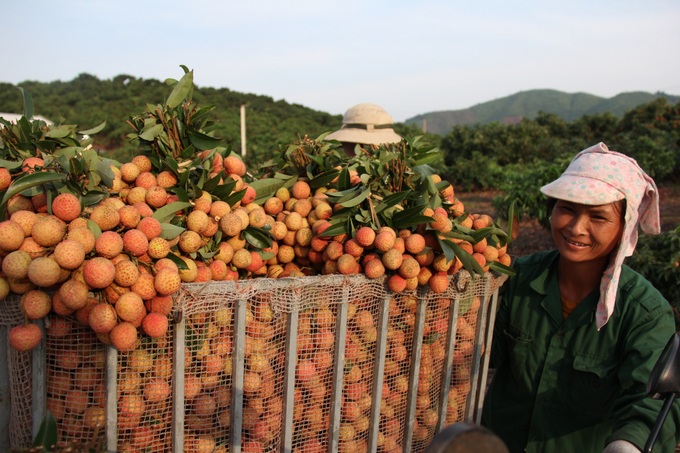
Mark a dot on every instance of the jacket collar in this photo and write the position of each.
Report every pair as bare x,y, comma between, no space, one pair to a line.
547,285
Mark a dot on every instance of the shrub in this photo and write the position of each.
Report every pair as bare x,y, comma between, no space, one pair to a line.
657,258
521,188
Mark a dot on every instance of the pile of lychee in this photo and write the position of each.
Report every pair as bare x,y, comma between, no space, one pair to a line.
114,266
107,265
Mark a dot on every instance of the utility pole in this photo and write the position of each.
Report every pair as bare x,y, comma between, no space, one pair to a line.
243,131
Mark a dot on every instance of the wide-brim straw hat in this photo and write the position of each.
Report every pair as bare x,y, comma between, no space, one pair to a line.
367,124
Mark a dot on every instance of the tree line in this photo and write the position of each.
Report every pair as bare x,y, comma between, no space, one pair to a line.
88,101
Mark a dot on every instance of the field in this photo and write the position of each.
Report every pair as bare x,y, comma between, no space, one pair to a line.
533,237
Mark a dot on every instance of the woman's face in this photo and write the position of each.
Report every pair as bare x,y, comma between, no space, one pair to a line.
584,233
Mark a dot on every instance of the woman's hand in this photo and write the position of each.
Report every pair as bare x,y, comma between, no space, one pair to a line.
621,446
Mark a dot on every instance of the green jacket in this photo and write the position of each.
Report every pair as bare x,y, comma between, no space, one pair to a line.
562,386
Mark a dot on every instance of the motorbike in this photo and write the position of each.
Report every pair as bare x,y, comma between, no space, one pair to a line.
663,384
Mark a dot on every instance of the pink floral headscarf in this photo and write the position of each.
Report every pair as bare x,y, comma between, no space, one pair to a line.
598,176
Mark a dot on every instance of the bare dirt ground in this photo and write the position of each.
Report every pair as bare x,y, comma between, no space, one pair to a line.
533,237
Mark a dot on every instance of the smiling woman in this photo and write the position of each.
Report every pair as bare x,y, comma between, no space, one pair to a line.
585,233
578,332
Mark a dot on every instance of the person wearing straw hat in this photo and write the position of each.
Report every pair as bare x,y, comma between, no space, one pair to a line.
577,332
365,124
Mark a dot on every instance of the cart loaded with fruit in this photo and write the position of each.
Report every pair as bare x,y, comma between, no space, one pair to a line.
183,302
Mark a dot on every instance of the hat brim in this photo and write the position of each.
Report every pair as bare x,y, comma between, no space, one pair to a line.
582,190
374,137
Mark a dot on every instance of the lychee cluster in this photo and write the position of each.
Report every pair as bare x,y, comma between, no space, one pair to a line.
110,266
114,264
406,257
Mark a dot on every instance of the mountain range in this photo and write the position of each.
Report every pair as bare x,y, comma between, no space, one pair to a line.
527,104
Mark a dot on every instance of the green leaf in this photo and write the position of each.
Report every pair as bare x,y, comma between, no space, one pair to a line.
47,434
170,231
223,191
92,226
511,220
10,165
343,195
357,200
460,235
410,216
94,130
167,212
401,222
257,237
181,194
151,133
454,250
93,197
181,265
501,268
323,179
338,226
212,183
234,197
392,200
206,253
106,172
265,188
203,141
59,131
28,103
426,159
171,163
344,179
27,182
77,166
181,91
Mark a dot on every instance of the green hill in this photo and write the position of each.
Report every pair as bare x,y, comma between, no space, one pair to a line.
88,101
527,104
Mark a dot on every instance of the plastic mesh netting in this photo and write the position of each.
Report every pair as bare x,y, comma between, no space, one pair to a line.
300,363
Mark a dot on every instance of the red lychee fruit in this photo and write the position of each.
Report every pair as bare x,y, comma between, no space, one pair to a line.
234,165
105,216
127,273
438,282
129,172
66,206
36,304
5,178
109,244
99,272
365,236
73,294
167,281
25,337
44,272
123,336
11,236
102,318
15,264
150,226
142,162
155,325
69,254
130,307
129,216
26,219
48,230
84,236
135,242
158,248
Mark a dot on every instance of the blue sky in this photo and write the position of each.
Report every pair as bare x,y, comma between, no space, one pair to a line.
408,56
